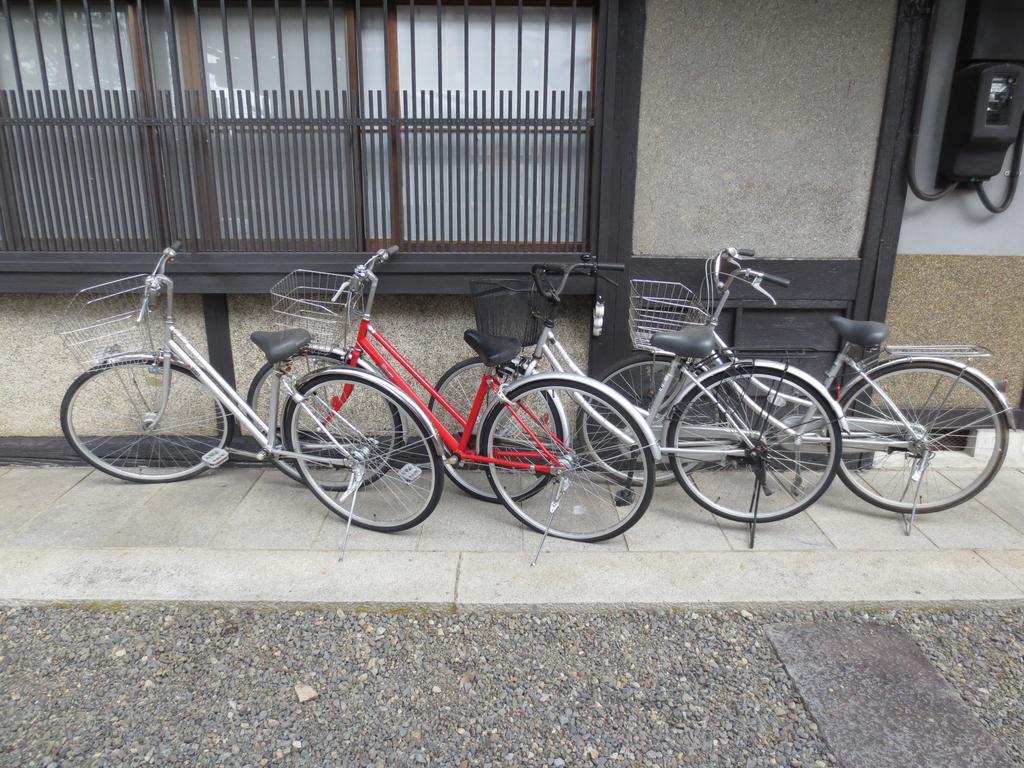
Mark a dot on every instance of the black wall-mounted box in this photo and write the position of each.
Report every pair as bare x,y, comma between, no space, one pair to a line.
987,95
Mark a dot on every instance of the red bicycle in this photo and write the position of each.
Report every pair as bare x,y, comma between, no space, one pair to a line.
554,481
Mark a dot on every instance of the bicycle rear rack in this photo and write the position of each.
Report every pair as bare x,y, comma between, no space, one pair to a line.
938,350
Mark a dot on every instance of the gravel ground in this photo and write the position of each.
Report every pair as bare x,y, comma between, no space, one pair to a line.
216,686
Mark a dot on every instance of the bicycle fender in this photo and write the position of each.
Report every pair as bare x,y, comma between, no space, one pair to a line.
799,373
986,381
374,378
604,389
136,357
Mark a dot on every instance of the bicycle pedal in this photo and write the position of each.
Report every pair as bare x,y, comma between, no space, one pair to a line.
409,473
624,497
215,457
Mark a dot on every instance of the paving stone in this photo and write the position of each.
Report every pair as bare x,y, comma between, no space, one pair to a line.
674,523
879,701
851,523
187,514
461,523
88,514
277,513
1004,495
29,491
796,532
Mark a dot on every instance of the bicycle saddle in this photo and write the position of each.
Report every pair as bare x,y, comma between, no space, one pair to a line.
693,341
863,333
280,345
493,350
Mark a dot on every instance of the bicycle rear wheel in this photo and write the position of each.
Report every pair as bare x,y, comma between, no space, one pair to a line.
956,426
363,449
258,396
111,416
591,497
637,378
754,443
458,386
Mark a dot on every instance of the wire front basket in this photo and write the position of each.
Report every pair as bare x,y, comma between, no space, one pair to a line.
656,306
509,307
325,304
101,322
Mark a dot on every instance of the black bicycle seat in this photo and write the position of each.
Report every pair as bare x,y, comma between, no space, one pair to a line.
863,333
280,345
693,341
493,350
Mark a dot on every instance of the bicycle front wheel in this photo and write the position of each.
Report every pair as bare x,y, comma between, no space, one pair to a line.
933,416
363,451
600,484
754,443
112,417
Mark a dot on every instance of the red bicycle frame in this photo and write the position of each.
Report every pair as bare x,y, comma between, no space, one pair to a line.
366,343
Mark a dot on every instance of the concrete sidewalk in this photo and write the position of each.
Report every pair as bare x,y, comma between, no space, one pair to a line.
251,535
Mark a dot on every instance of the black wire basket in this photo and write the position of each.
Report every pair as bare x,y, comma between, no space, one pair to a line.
509,307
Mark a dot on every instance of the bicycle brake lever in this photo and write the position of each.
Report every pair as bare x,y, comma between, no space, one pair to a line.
756,285
341,290
607,279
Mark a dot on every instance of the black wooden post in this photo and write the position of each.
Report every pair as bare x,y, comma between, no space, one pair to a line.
889,182
622,69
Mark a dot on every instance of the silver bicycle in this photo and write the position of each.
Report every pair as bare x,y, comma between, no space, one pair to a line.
905,413
150,408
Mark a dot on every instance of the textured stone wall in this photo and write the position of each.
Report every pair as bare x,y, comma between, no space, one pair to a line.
427,328
956,299
37,369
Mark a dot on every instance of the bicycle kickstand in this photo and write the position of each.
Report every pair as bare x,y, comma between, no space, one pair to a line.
556,499
755,503
358,472
908,521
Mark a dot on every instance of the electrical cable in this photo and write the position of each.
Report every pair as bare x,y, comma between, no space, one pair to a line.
922,79
1011,189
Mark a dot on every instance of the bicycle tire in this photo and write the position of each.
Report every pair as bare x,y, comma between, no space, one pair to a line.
633,378
684,469
859,387
459,475
641,458
417,450
224,423
259,381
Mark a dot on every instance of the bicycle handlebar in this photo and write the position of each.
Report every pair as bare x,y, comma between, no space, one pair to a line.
769,278
538,271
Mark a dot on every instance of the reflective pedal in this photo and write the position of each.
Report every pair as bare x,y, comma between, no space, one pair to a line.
409,472
215,457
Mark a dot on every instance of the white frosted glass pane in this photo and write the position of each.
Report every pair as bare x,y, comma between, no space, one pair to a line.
514,70
79,51
263,35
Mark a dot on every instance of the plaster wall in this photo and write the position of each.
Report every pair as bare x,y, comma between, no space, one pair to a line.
759,124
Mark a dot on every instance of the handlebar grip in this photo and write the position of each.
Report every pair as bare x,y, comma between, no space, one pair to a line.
783,281
392,250
611,267
175,245
747,253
